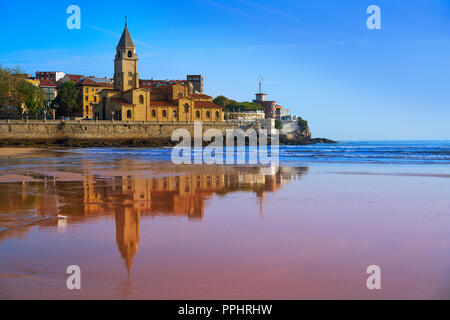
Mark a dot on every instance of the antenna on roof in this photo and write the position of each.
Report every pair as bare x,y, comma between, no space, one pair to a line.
260,79
125,21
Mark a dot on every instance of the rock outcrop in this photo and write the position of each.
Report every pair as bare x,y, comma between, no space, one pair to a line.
301,135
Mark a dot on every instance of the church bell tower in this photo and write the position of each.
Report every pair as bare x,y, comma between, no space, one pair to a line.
126,76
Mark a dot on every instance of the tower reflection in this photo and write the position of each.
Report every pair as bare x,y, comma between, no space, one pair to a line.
130,196
127,234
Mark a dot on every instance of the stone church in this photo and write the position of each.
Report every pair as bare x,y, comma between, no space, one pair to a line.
172,103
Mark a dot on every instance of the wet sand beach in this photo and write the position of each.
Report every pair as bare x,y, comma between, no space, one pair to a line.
142,229
11,152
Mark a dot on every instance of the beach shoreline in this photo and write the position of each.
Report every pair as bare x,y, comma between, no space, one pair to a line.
130,143
16,151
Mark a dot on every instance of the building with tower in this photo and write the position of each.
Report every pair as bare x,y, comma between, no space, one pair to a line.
174,102
271,108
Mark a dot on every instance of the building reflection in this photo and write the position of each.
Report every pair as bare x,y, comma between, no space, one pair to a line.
130,197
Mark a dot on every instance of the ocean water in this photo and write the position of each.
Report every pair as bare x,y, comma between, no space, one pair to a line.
377,152
396,152
143,228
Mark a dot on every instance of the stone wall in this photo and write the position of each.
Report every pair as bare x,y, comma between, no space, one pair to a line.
40,132
290,127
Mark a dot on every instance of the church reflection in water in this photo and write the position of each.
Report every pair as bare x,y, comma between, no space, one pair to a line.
130,197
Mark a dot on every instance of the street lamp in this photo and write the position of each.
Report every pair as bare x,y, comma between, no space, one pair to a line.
45,115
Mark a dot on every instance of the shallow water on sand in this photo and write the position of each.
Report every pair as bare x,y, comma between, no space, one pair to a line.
144,229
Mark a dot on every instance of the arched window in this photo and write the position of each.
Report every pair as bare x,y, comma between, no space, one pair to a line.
197,114
141,99
174,113
129,114
153,113
130,54
186,108
208,114
164,113
217,114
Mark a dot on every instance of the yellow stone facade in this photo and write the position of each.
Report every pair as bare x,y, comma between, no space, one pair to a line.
90,92
171,103
34,82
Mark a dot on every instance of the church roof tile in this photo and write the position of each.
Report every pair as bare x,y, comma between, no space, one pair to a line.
125,40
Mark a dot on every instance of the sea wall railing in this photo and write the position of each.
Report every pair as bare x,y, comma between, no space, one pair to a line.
93,122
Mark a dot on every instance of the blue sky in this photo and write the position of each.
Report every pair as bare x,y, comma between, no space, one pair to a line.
317,57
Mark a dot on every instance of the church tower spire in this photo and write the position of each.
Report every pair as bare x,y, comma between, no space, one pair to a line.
126,75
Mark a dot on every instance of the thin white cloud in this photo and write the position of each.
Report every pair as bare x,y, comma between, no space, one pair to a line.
112,33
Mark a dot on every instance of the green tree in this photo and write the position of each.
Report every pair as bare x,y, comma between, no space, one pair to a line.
68,103
30,97
221,101
302,123
5,84
10,98
278,124
234,106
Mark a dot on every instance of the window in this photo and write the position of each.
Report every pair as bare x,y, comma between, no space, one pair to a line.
197,114
174,113
129,114
153,113
141,99
130,54
86,98
186,108
164,113
95,98
217,114
87,110
130,74
87,90
180,95
208,114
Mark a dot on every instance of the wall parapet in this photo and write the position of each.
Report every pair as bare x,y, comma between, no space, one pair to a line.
39,132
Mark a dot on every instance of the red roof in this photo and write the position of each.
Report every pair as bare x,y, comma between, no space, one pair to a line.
156,103
89,82
47,83
74,77
200,96
206,104
122,102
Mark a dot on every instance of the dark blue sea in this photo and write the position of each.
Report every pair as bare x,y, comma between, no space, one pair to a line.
376,152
